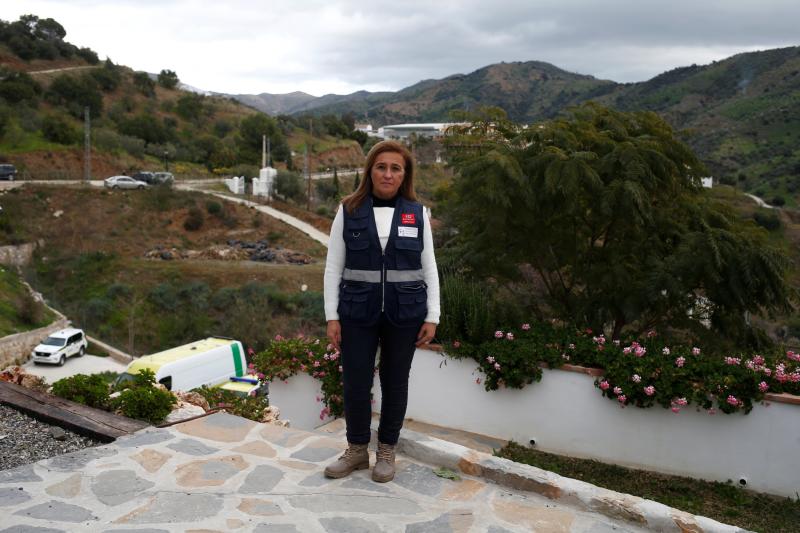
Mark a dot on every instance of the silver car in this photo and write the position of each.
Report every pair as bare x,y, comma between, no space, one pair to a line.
124,182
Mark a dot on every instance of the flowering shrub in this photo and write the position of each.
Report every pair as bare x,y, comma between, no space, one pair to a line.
286,357
641,372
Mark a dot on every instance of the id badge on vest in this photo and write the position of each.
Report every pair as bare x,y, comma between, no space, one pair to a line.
405,231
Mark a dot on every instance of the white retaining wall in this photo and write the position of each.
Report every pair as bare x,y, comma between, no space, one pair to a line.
236,184
297,401
565,414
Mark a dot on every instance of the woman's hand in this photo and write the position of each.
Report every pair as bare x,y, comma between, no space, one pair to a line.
334,333
426,333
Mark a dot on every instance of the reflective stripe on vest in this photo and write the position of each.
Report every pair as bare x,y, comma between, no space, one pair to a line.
374,276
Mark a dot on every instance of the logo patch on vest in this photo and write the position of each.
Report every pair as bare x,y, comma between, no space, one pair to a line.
408,218
403,231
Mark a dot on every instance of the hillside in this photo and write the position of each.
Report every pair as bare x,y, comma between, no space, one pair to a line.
741,115
139,121
123,264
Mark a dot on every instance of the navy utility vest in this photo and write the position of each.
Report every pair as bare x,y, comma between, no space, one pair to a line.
388,281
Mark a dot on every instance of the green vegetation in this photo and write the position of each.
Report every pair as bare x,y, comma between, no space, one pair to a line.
146,315
91,390
721,501
143,401
250,407
19,311
605,210
138,122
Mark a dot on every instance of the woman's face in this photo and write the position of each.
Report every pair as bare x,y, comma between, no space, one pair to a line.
387,174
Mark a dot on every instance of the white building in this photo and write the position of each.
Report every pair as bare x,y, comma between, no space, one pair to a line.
403,131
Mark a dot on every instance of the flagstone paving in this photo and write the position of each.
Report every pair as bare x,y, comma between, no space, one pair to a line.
225,473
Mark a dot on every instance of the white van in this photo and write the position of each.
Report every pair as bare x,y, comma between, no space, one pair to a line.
59,345
208,362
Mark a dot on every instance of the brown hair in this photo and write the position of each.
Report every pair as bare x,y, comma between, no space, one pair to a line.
353,201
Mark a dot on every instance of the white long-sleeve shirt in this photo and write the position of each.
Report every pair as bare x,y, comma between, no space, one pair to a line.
334,265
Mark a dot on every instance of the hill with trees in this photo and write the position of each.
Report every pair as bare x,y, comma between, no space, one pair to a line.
139,120
741,115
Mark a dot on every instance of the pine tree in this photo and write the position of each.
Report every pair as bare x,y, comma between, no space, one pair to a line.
335,183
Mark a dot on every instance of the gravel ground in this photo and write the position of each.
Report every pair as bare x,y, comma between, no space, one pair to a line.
24,440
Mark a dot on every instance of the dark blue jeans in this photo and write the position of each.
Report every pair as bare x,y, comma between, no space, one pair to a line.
359,346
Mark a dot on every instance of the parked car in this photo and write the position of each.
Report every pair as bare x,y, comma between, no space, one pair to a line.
155,178
124,182
146,177
8,172
58,346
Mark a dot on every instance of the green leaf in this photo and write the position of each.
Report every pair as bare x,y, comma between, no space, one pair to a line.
446,473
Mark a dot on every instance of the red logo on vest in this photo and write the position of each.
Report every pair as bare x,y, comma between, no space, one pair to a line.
408,218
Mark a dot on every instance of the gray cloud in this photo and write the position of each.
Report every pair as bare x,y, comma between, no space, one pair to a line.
346,45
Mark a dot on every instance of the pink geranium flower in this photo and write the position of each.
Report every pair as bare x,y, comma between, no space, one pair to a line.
498,334
650,390
510,336
680,361
617,391
526,327
763,387
636,378
604,385
695,351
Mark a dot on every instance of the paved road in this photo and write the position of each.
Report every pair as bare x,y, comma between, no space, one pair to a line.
305,227
760,202
194,185
64,69
88,364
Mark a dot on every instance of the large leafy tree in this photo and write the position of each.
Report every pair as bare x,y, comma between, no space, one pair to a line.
608,211
249,140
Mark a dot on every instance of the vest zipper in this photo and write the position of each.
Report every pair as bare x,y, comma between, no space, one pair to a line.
383,282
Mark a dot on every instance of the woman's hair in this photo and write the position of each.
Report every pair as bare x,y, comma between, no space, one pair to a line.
353,201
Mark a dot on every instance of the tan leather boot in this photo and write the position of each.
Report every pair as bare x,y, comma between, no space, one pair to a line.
355,457
384,464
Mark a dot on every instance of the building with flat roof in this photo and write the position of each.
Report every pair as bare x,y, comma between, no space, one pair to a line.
403,131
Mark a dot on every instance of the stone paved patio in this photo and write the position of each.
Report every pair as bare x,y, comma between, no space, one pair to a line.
224,473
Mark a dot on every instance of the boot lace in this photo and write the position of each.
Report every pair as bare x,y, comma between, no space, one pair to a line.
352,451
385,453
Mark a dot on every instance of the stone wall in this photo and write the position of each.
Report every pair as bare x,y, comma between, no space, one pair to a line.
17,256
17,348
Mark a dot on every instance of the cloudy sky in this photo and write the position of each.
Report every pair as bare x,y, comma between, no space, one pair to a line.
340,46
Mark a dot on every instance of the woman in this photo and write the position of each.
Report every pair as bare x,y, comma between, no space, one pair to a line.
381,288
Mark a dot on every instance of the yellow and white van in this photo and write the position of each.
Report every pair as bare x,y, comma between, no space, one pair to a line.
209,362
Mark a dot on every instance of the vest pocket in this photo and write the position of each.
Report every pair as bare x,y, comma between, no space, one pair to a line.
412,302
358,245
353,301
408,253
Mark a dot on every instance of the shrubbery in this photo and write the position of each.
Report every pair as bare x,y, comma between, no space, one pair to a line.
59,129
194,221
641,372
251,407
317,358
91,390
143,401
